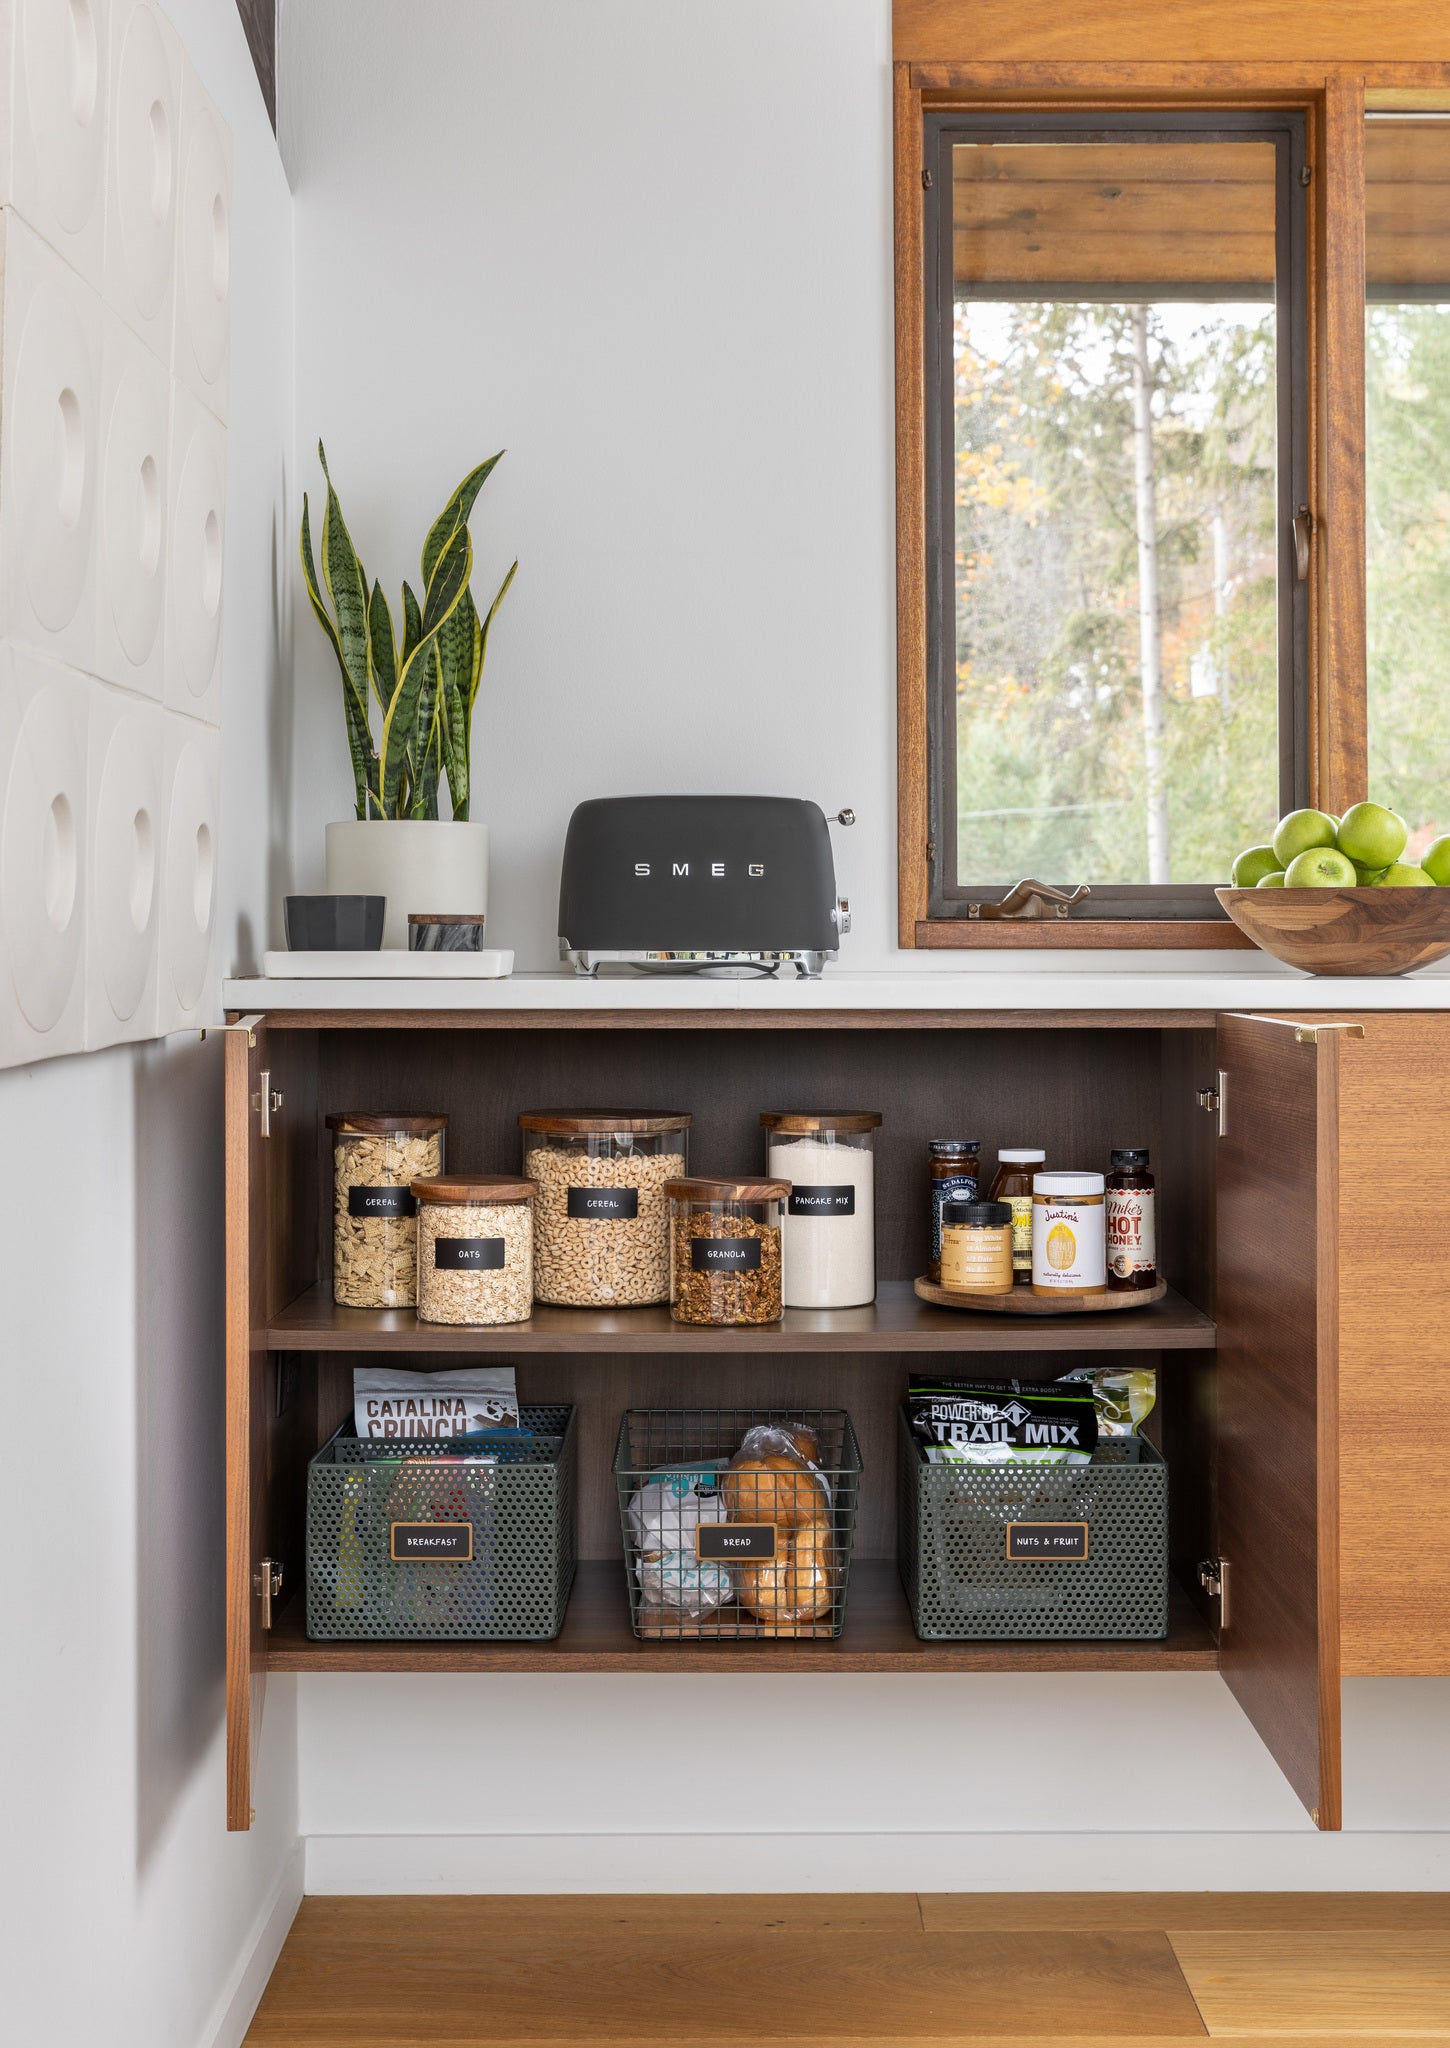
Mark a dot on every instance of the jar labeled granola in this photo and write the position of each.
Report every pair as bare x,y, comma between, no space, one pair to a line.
602,1220
725,1250
375,1160
475,1249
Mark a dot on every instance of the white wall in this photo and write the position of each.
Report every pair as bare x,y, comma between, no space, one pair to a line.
646,245
126,1911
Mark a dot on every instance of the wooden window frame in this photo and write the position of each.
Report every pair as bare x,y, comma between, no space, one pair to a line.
1332,86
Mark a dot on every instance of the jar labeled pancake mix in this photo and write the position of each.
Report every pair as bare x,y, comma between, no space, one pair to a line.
1069,1245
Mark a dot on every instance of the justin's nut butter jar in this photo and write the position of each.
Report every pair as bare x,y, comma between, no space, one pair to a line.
1069,1249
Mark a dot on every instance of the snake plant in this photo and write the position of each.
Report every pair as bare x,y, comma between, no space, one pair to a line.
424,685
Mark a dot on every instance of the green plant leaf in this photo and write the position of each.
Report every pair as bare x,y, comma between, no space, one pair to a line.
455,748
445,588
426,751
455,513
355,710
461,715
502,593
382,651
412,623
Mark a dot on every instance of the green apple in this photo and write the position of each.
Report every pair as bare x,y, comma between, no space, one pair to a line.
1367,876
1436,861
1372,836
1321,867
1403,875
1275,880
1253,864
1301,831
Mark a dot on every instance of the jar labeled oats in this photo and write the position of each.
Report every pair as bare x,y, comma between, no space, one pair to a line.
375,1160
725,1250
475,1249
602,1219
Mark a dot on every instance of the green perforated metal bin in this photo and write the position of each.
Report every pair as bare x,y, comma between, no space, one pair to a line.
417,1540
954,1545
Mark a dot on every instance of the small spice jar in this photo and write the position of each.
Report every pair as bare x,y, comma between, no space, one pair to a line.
602,1220
1132,1231
725,1250
976,1247
1069,1257
1012,1184
955,1170
475,1249
830,1213
375,1160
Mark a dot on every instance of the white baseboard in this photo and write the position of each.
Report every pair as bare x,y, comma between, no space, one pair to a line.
877,1862
233,2012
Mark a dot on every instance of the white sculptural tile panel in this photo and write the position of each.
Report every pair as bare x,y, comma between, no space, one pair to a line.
197,526
203,248
143,171
188,871
56,57
133,513
44,715
123,926
50,403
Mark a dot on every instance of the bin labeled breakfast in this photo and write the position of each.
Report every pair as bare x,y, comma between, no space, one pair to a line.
475,1249
830,1212
725,1250
375,1160
602,1217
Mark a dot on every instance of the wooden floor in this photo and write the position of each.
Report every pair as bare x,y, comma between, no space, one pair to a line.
1093,1969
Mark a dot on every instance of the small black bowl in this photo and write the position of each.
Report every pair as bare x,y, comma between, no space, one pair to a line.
334,924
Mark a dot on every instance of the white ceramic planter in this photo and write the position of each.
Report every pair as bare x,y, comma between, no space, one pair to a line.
419,864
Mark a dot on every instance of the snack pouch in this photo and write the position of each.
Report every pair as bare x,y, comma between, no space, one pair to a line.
1003,1422
665,1512
679,1581
1123,1396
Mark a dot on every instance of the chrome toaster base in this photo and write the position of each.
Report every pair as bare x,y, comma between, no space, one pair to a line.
585,960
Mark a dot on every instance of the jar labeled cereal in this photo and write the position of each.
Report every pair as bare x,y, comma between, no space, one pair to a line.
602,1220
475,1249
725,1250
375,1160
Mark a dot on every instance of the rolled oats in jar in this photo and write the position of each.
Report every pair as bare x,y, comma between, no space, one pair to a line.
375,1160
475,1249
601,1221
725,1250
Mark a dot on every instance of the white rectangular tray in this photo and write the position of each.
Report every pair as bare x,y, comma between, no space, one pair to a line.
393,965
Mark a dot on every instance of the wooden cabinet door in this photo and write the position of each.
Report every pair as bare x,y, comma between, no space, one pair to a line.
1277,1313
271,1178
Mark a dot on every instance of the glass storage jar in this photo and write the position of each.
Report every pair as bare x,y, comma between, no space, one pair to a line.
375,1160
475,1249
976,1247
602,1219
725,1250
830,1212
954,1168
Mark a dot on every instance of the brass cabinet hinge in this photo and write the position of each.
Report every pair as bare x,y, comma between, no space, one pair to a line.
1308,1034
267,1101
1213,1576
267,1584
1215,1101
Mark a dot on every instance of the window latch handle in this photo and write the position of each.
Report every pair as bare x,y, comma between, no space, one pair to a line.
1303,535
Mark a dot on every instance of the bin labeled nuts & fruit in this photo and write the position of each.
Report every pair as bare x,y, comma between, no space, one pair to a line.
602,1218
725,1250
475,1249
375,1160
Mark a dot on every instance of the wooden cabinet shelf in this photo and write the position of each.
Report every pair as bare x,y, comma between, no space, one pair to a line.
896,1322
878,1636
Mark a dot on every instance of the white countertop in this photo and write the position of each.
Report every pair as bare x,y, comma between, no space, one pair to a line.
1107,982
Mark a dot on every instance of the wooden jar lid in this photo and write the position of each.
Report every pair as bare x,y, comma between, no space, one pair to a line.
844,1120
584,1123
483,1187
728,1190
370,1126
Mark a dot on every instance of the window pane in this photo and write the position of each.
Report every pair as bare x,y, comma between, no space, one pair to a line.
1117,629
1407,469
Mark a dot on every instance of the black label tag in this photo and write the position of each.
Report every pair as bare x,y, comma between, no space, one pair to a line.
380,1202
823,1201
1036,1540
603,1205
725,1254
719,1542
414,1542
468,1254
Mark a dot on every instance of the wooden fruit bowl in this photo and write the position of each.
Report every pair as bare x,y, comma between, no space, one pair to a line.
1345,931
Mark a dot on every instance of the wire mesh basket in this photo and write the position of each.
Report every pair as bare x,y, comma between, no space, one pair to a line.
1036,1550
469,1539
730,1555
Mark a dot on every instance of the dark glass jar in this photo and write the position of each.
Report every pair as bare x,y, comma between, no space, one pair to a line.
955,1169
1131,1224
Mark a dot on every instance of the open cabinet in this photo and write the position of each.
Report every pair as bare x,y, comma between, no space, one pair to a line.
1244,1116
